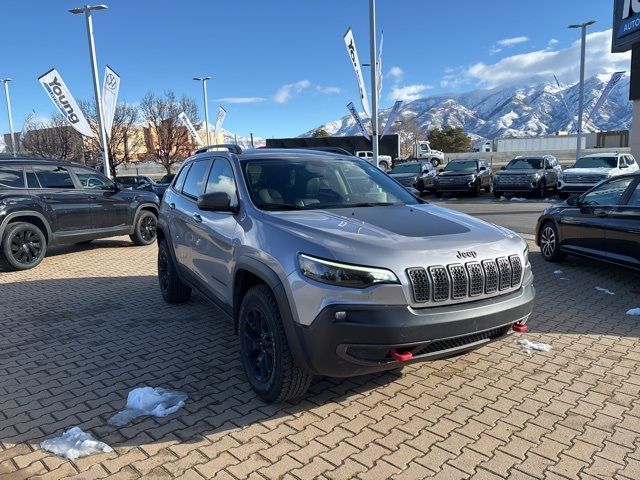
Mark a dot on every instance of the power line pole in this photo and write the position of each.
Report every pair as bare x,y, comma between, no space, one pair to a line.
14,148
206,107
583,27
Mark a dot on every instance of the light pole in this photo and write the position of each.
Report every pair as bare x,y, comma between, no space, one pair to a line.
96,81
583,27
14,148
374,80
206,107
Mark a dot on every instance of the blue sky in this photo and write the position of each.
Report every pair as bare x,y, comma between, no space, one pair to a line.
286,60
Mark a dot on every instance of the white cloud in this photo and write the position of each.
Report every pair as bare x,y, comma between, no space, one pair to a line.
241,99
396,73
286,92
510,42
542,64
408,92
553,42
328,90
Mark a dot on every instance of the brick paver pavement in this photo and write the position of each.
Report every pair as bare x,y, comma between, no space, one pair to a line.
88,325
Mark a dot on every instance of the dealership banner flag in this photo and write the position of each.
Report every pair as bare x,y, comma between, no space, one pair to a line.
222,114
27,124
566,107
110,90
192,130
356,117
379,67
350,43
615,79
395,111
64,101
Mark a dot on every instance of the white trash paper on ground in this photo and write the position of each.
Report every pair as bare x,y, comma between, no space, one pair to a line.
74,443
605,290
557,272
634,312
157,402
528,345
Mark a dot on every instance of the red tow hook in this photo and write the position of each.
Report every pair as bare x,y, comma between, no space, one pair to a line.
520,327
400,356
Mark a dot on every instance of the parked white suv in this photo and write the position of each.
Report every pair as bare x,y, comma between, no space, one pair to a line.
592,169
384,161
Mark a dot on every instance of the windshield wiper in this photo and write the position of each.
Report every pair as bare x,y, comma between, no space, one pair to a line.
283,206
370,204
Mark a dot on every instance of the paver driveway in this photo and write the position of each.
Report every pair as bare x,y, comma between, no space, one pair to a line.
88,325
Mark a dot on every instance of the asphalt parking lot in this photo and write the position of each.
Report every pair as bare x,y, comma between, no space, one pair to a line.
88,325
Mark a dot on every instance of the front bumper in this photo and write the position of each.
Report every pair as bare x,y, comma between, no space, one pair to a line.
575,187
362,338
444,187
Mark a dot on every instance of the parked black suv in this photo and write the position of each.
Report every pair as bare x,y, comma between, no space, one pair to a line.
464,175
45,202
528,175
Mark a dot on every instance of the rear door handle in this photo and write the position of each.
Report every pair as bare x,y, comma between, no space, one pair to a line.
172,206
600,213
197,218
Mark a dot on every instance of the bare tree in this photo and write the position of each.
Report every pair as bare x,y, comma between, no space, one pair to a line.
409,131
54,138
126,139
169,142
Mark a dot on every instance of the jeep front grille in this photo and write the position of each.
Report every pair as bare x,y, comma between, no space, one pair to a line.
458,283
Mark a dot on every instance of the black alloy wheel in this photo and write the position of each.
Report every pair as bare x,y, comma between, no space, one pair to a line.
259,345
23,246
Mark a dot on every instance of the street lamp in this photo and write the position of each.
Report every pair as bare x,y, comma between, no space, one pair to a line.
206,108
6,81
583,27
96,88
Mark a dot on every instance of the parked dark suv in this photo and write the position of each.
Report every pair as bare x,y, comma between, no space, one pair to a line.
464,175
529,175
45,202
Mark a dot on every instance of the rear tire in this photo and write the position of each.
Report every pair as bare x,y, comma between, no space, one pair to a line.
550,243
23,246
171,287
384,166
541,190
145,230
435,162
264,349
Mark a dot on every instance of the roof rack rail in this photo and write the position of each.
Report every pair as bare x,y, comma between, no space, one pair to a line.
233,148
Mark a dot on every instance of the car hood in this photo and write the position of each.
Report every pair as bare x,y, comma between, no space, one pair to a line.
518,171
589,171
456,174
397,237
404,175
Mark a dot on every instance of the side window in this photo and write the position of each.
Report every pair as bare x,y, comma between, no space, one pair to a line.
194,182
11,176
632,161
92,180
221,179
54,176
609,193
634,201
182,175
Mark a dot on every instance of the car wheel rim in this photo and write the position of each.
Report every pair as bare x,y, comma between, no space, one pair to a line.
148,228
26,246
548,242
163,269
259,346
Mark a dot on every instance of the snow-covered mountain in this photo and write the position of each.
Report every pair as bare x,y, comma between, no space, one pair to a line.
510,111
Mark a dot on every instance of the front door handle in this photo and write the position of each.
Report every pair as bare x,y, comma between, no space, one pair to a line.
47,197
600,213
172,206
92,197
197,218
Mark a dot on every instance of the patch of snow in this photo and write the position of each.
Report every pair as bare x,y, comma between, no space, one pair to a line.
452,199
518,199
564,278
502,198
74,443
528,345
157,402
604,290
634,312
557,272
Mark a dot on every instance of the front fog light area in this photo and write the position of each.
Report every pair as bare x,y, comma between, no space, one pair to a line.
343,275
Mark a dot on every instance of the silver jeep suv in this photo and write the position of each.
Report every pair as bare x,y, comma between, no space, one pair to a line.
329,267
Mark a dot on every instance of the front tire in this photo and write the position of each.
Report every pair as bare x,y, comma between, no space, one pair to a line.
264,350
171,287
145,229
550,243
435,162
23,246
384,166
498,194
541,190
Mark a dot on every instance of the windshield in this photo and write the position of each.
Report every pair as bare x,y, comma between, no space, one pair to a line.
462,166
596,162
525,163
407,168
168,178
310,184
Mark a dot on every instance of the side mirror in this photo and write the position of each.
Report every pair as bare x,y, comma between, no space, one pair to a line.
503,168
216,202
573,201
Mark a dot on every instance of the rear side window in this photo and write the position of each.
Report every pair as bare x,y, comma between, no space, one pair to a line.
11,177
634,201
194,183
53,177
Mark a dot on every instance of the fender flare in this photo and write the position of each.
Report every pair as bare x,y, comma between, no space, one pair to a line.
27,213
152,205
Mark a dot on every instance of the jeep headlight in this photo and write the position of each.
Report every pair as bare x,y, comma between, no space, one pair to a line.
536,176
471,178
342,274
